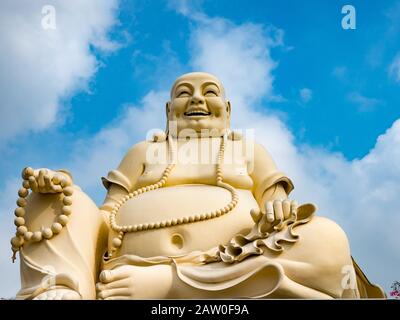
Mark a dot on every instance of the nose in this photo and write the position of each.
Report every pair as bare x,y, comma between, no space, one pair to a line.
197,98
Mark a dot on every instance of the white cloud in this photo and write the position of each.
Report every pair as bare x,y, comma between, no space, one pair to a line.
40,67
364,104
394,68
305,95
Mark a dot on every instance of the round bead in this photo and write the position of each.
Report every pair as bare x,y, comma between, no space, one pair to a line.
23,192
227,209
47,233
174,222
25,184
163,181
191,219
28,235
230,206
21,230
63,219
139,227
185,220
56,227
19,221
21,202
163,224
151,225
196,217
19,212
67,201
168,223
145,226
134,228
37,236
117,242
68,191
27,172
157,225
66,210
135,193
17,241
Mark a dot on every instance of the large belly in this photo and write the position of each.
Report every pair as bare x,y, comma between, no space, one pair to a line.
183,201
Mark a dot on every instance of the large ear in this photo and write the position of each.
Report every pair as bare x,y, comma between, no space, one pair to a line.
167,110
228,108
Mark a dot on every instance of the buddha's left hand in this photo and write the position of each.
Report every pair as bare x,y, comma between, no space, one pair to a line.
134,282
278,211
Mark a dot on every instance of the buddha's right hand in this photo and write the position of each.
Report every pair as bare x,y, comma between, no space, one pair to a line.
46,180
58,294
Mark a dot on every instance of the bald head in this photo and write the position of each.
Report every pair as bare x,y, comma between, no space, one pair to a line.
198,76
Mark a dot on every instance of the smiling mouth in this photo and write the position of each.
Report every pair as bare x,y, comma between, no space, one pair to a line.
197,113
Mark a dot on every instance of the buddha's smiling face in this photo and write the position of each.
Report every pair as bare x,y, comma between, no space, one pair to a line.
198,104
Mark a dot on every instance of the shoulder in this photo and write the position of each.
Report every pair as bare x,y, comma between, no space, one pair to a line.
137,151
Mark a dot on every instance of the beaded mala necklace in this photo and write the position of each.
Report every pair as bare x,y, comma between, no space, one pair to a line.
23,234
121,230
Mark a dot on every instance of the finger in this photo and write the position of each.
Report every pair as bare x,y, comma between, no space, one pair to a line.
114,293
270,211
40,179
293,208
56,188
107,276
278,210
33,184
286,209
123,283
57,178
47,181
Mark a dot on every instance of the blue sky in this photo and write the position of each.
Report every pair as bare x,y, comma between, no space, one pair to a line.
321,46
324,99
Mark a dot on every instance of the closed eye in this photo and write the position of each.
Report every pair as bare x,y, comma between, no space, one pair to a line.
184,94
211,93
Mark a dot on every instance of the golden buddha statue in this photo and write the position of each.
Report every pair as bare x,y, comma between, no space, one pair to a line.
199,211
